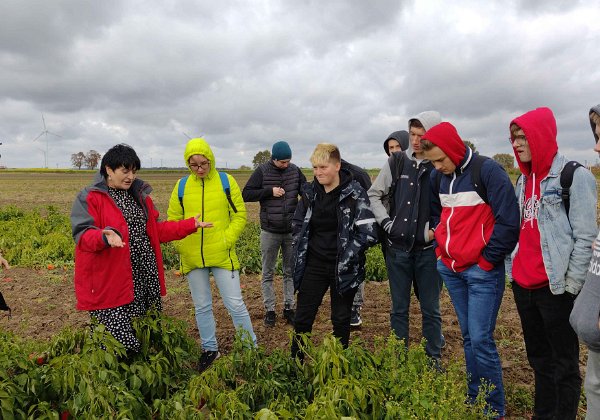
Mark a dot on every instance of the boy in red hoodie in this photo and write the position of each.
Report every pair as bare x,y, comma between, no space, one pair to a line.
473,234
550,262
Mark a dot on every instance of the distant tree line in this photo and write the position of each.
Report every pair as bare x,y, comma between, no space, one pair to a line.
507,161
90,159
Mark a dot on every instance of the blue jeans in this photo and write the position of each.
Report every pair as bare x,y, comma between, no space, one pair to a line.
269,247
228,282
476,295
402,268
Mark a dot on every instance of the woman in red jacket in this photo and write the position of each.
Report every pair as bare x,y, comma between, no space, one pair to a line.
118,261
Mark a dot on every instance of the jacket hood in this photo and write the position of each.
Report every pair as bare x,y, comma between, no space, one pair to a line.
539,127
428,119
595,109
400,136
199,146
445,136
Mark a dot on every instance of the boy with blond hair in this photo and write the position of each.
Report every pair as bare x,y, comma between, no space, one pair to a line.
332,228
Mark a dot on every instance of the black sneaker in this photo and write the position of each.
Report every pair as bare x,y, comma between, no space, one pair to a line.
206,359
355,320
270,318
289,315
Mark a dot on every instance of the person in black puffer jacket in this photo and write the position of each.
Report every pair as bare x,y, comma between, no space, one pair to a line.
276,185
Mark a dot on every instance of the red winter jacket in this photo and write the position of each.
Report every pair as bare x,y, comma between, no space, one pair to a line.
103,275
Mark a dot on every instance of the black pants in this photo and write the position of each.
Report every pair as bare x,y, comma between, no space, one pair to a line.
552,350
318,277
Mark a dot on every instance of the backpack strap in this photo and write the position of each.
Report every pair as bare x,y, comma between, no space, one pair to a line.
396,163
224,184
438,181
180,189
227,189
566,180
476,165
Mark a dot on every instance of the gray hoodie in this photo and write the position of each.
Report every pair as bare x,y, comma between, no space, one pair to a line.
428,119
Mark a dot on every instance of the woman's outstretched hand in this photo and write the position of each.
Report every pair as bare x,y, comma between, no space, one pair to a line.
200,224
114,240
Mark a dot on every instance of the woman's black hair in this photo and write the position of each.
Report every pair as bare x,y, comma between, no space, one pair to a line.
117,156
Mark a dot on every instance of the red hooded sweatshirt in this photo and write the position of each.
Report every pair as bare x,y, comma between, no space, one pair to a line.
539,127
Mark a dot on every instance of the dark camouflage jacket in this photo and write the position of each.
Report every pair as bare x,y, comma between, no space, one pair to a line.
357,230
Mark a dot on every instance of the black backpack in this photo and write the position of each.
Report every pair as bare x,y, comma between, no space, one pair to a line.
566,180
396,163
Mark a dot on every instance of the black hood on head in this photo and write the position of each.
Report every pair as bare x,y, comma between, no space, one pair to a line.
400,136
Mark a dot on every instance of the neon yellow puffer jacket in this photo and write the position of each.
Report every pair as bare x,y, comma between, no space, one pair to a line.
215,246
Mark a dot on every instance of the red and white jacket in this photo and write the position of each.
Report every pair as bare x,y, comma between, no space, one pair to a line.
468,230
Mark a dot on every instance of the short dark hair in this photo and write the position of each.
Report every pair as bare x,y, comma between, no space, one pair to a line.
415,123
426,145
117,156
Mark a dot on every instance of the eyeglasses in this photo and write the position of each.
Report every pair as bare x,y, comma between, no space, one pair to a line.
518,139
203,165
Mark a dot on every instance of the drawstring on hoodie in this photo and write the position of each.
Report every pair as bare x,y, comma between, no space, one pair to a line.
533,201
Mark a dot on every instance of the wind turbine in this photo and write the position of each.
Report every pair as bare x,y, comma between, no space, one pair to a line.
45,133
188,136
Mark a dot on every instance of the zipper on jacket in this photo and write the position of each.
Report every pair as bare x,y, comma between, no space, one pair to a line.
231,260
340,217
202,231
284,206
447,244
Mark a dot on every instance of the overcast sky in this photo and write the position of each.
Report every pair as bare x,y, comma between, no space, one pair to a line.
245,74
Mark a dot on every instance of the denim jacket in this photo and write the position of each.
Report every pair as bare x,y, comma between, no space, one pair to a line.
566,241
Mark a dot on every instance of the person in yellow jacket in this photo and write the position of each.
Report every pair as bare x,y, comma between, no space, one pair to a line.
212,248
